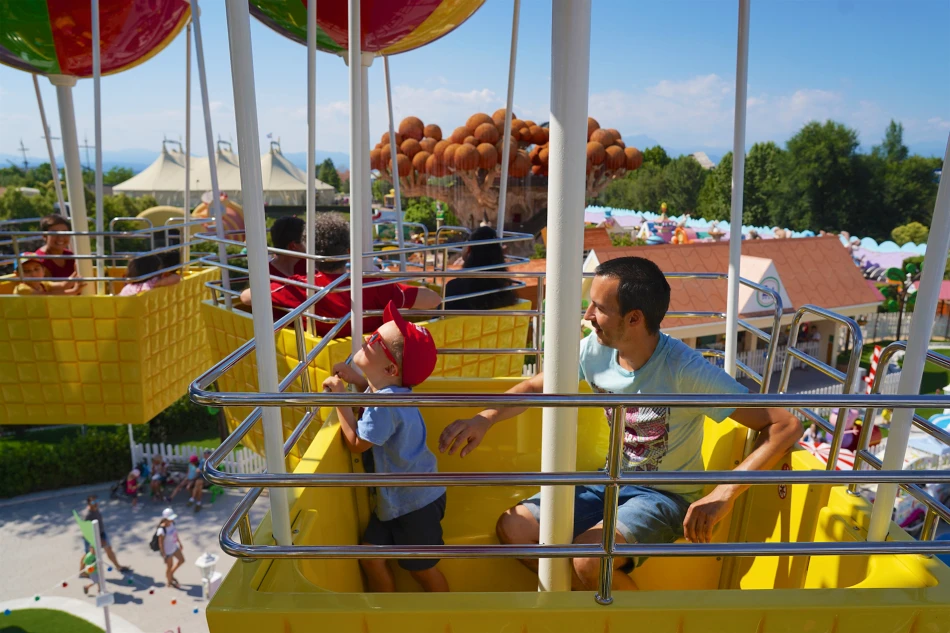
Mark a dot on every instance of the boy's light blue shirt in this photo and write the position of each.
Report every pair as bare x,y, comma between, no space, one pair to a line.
398,435
660,438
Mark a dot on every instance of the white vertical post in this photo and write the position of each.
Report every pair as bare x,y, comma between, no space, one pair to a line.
245,110
216,210
74,183
509,104
738,182
357,210
185,233
397,195
57,185
97,109
311,135
928,293
362,172
570,78
132,445
101,572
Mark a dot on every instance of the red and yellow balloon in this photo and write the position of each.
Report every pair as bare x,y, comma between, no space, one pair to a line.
54,37
388,26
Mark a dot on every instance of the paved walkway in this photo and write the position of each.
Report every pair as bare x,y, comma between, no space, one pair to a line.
42,548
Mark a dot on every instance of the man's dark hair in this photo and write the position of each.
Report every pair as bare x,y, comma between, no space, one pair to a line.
48,222
331,238
643,287
286,230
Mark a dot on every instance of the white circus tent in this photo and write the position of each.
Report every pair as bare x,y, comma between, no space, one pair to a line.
164,179
284,183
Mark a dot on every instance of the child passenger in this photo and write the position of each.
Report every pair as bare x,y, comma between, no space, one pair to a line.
395,358
33,268
149,265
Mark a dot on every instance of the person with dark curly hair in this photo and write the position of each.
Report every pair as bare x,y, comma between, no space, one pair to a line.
331,238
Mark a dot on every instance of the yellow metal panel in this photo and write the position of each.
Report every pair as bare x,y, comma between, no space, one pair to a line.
111,360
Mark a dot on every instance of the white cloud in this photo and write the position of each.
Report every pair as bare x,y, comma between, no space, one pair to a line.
939,123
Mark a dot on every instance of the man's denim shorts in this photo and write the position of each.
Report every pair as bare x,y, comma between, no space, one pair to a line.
645,515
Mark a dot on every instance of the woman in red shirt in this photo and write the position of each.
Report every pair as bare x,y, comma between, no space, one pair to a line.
56,245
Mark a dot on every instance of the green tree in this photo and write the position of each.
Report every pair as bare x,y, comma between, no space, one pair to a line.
715,198
821,192
423,210
684,178
14,205
656,155
764,183
913,232
326,172
380,189
892,149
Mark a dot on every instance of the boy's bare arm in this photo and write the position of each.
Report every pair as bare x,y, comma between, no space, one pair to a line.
347,420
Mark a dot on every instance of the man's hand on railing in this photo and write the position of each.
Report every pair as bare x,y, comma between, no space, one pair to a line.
463,435
704,514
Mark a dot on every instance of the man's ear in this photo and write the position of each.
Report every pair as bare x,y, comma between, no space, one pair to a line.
634,317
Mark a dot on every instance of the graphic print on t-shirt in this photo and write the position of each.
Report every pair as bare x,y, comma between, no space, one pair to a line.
645,437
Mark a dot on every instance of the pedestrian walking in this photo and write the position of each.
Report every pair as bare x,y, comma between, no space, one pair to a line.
169,544
93,513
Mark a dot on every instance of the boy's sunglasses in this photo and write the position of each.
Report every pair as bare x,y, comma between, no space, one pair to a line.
375,338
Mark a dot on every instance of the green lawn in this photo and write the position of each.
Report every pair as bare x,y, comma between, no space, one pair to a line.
44,621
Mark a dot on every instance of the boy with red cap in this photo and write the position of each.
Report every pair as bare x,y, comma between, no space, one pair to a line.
395,358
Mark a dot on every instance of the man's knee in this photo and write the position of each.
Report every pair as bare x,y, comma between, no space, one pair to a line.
517,525
588,570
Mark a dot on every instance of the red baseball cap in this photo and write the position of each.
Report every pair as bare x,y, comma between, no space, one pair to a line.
418,355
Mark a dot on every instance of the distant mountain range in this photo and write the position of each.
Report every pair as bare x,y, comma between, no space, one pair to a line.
139,159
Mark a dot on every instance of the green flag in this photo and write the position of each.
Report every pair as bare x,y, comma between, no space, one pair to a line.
86,528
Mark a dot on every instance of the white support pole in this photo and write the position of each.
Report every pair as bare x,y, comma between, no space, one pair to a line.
252,187
738,183
357,212
925,310
101,572
57,185
185,233
509,104
311,135
132,445
397,203
74,184
216,209
570,79
362,172
97,108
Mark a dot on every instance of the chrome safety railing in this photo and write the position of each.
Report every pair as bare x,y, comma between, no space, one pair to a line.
847,380
936,510
15,236
612,477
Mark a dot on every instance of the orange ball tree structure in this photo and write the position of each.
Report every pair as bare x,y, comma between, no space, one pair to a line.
463,169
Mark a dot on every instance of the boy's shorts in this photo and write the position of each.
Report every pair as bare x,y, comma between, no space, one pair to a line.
645,515
420,527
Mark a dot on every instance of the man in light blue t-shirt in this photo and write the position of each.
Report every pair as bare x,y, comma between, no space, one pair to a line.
627,353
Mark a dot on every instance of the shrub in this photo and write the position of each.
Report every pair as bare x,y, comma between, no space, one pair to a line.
99,455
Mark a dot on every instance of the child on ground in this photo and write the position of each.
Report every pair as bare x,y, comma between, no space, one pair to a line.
89,568
147,266
193,482
132,486
159,477
395,358
33,268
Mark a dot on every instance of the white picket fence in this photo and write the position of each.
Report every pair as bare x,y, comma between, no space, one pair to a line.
241,460
883,325
888,386
755,359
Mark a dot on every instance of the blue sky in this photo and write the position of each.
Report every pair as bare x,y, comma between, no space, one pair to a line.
665,70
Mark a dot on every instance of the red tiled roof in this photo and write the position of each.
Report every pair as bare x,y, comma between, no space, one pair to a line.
813,270
597,238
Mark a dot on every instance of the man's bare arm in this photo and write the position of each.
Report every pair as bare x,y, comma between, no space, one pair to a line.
465,435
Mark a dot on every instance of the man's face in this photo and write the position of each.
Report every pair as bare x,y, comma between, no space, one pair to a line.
33,269
57,243
604,311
